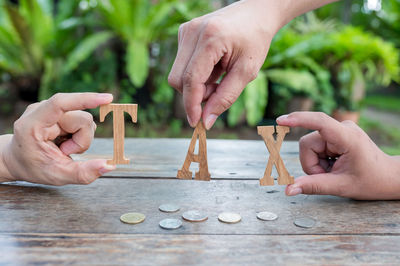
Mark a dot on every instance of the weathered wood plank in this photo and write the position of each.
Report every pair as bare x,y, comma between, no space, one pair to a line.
96,208
227,159
198,250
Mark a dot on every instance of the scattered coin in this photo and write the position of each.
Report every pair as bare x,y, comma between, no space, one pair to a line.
229,217
267,216
169,207
304,222
194,216
132,217
170,224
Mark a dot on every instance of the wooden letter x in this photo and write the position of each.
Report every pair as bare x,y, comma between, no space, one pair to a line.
118,127
201,157
267,133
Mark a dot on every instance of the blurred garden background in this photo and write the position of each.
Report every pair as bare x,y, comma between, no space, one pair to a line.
342,59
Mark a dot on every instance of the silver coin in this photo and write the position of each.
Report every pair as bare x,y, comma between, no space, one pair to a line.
170,224
169,207
229,217
194,216
267,216
304,222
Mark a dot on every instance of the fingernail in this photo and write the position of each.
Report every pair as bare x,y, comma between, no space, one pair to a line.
282,117
190,121
105,96
295,191
106,168
210,120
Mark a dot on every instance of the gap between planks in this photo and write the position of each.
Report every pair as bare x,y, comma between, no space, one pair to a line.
77,235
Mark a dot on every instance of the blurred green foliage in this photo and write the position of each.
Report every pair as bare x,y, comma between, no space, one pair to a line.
127,47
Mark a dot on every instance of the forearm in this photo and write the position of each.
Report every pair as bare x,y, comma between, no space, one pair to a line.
4,144
277,13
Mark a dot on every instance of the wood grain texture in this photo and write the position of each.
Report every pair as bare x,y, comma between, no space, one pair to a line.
118,111
128,249
199,134
161,158
274,146
96,208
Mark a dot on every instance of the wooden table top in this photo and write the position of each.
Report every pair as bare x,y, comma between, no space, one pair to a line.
80,224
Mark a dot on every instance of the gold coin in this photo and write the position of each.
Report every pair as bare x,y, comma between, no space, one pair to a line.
132,218
229,217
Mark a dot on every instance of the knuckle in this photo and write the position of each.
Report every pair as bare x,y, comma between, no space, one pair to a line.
32,106
174,81
55,100
227,100
315,189
84,178
88,118
348,123
192,25
187,79
303,141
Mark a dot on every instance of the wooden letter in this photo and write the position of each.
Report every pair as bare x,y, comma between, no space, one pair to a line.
201,157
274,147
118,127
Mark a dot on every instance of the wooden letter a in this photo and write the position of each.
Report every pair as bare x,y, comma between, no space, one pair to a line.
267,133
201,157
118,127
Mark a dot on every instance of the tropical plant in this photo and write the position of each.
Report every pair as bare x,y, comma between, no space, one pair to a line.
251,102
139,23
36,42
290,71
353,58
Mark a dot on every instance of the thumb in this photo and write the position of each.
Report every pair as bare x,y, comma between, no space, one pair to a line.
226,93
318,184
88,171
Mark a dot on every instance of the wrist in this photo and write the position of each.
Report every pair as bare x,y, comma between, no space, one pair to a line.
5,175
277,14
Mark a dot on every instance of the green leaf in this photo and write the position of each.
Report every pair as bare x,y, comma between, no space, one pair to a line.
256,98
236,111
137,62
299,81
84,49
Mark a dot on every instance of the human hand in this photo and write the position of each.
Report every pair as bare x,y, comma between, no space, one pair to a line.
32,155
233,40
361,170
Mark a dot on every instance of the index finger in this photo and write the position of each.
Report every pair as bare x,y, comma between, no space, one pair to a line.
330,129
198,72
50,111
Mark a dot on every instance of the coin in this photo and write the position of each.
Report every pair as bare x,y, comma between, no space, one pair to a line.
169,207
194,216
132,217
170,224
229,217
304,222
267,216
